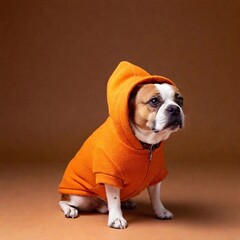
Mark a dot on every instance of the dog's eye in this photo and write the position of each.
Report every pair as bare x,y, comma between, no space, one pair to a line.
180,101
154,102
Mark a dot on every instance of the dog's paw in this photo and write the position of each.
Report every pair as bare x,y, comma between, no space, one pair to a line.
128,204
165,215
69,211
119,223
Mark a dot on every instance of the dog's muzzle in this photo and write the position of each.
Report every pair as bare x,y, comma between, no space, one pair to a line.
175,118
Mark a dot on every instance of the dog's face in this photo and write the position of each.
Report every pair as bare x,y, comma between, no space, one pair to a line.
155,111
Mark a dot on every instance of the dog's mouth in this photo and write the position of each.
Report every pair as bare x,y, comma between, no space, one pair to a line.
172,124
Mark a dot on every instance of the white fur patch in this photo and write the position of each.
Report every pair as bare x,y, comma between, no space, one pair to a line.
167,94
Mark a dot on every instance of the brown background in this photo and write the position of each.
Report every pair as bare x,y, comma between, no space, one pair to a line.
56,58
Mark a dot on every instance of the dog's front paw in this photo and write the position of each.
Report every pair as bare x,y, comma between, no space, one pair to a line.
165,214
119,223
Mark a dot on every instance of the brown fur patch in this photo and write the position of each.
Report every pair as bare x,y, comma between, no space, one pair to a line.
65,197
141,113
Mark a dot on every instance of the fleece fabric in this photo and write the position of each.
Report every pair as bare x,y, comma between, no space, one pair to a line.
112,154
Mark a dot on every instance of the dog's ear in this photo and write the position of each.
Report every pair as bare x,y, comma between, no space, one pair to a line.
132,103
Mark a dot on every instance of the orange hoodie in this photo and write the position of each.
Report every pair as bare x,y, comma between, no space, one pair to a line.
112,154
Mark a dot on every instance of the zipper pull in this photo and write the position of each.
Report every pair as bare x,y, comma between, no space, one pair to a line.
150,152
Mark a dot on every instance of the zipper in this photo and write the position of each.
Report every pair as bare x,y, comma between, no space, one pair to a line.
150,148
150,152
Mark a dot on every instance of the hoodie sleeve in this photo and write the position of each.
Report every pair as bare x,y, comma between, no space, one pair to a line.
106,171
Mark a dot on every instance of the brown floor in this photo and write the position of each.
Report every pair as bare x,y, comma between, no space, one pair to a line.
205,201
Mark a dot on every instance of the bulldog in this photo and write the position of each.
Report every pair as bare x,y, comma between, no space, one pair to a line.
124,155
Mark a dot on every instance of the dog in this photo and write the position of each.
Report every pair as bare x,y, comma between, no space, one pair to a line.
125,154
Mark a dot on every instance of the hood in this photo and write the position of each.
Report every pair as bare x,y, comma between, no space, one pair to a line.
125,77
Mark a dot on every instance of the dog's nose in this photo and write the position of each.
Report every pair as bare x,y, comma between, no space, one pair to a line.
173,110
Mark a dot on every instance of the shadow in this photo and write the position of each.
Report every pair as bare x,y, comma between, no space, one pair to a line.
202,214
197,213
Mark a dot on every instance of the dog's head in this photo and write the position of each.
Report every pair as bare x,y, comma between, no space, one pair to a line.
155,111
